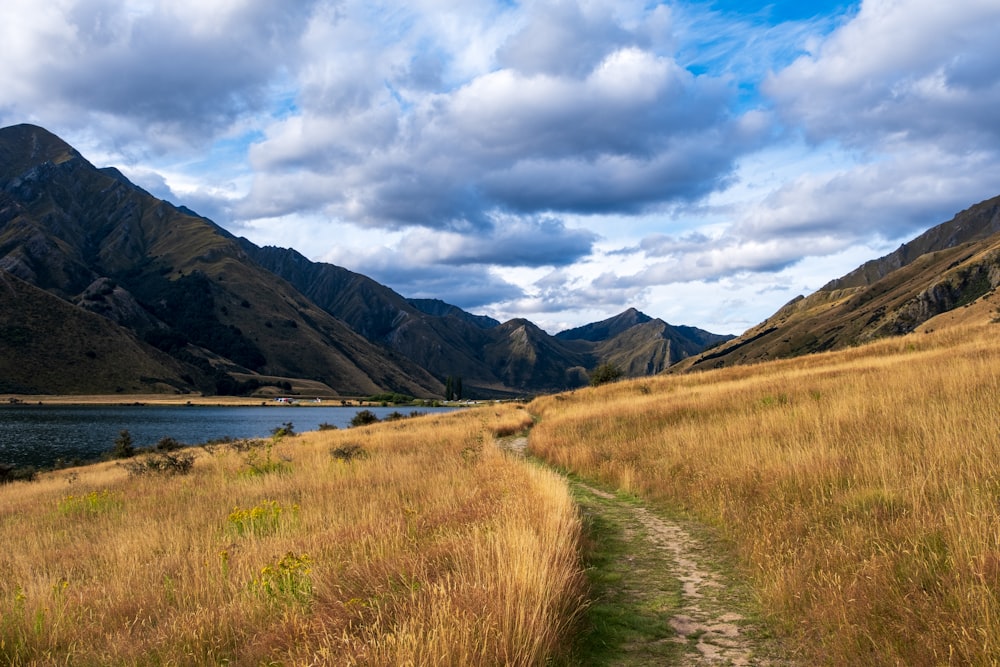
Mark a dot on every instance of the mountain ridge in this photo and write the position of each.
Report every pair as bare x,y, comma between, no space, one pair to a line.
232,315
951,265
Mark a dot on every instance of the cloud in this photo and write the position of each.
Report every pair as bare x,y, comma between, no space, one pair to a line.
469,286
513,241
901,70
564,39
163,75
896,196
814,215
612,125
541,157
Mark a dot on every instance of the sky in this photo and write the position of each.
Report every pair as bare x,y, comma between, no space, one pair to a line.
558,160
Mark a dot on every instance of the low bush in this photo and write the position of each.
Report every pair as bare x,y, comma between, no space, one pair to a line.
604,374
168,444
161,463
10,473
286,429
124,447
363,418
93,503
348,452
265,464
259,520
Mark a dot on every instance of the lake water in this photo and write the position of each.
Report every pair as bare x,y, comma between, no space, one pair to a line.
40,435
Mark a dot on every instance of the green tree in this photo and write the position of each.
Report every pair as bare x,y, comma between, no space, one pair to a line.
124,448
604,374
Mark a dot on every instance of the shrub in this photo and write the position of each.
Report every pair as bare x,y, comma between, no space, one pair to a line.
391,397
262,519
363,418
604,374
161,463
324,426
93,503
124,448
285,429
286,581
263,465
348,452
10,473
168,444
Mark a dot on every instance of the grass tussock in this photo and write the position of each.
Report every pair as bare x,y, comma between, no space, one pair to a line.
414,553
860,488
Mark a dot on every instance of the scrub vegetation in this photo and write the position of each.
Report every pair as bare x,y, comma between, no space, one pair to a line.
859,489
427,545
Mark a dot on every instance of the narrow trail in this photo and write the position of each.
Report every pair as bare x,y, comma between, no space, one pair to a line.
661,592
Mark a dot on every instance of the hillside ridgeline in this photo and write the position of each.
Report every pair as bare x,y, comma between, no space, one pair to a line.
235,318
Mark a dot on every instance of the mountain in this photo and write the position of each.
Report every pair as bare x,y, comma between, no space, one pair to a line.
439,308
493,359
89,235
182,305
609,328
640,345
49,345
952,266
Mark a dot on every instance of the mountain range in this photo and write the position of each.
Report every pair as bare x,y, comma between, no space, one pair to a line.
107,289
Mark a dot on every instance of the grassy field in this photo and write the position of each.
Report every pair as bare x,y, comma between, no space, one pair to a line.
859,489
859,492
415,542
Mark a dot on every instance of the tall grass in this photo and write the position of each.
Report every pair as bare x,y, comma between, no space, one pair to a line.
860,488
432,548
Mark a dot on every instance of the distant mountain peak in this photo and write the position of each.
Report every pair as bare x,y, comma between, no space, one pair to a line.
605,329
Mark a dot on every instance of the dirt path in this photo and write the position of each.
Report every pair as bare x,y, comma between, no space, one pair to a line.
661,594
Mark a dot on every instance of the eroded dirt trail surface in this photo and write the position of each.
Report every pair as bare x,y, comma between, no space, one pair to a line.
662,596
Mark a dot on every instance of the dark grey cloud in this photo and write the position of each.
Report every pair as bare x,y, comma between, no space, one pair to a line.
469,287
515,241
168,73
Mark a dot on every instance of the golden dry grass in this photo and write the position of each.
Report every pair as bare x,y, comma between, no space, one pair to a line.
860,489
423,544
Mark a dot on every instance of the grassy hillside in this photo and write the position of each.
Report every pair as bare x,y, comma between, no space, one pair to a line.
859,488
414,542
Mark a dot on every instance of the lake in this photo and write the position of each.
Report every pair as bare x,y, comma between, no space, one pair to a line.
41,435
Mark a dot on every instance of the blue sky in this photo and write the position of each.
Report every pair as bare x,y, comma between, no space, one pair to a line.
560,160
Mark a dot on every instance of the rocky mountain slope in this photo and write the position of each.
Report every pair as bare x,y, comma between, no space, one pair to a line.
47,343
953,265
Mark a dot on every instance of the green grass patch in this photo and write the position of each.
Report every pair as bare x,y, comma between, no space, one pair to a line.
89,504
633,595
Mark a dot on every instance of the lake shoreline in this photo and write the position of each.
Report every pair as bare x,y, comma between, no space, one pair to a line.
43,435
125,400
